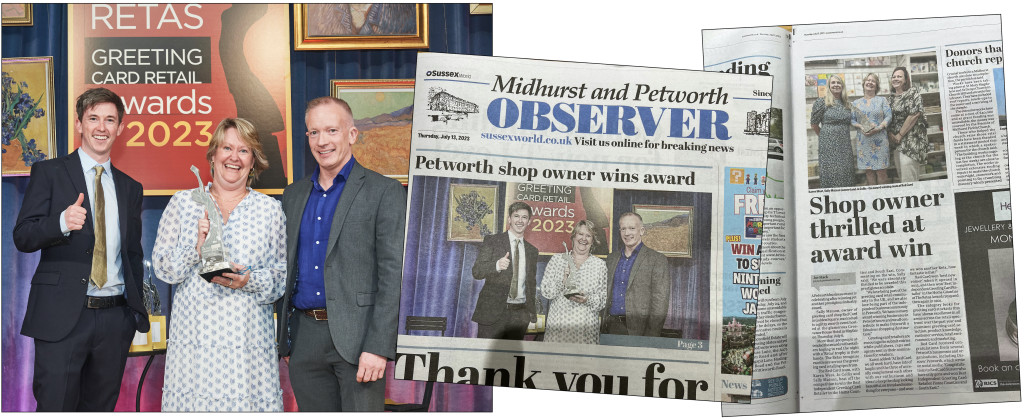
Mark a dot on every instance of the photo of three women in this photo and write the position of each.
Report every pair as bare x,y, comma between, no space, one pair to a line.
892,123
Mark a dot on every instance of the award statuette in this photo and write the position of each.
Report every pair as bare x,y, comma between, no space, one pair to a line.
571,288
215,257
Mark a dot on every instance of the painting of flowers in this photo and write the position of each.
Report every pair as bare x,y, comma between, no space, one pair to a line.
29,132
471,214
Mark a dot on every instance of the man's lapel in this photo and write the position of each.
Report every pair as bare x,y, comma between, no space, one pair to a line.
507,247
294,208
121,190
73,164
348,196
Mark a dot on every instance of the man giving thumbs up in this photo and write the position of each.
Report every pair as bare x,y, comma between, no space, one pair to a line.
508,266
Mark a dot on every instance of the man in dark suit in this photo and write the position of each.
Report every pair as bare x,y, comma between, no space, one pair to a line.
85,303
639,288
508,266
346,224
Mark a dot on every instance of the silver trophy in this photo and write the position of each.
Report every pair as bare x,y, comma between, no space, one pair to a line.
571,288
215,256
150,296
866,125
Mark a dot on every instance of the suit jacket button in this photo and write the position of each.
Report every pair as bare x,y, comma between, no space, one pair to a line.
84,281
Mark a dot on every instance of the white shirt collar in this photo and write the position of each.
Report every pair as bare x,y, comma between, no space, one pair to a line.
88,163
512,237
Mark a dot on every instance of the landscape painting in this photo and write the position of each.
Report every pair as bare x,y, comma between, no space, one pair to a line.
382,110
668,229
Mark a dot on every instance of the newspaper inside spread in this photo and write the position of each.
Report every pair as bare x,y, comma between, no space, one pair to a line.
903,259
583,227
765,51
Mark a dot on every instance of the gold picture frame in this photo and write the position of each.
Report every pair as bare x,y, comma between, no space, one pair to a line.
472,212
382,111
343,26
669,229
16,14
481,8
34,136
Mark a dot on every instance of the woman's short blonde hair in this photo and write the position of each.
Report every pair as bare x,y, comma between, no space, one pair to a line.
593,233
247,133
877,82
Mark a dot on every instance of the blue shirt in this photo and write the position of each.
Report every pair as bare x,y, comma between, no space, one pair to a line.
314,232
621,280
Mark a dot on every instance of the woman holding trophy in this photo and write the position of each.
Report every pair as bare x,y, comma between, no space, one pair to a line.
224,246
871,116
576,283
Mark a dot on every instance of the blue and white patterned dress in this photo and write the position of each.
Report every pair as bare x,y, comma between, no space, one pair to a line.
872,151
221,353
568,321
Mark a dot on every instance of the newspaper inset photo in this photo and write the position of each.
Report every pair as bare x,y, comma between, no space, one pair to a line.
583,227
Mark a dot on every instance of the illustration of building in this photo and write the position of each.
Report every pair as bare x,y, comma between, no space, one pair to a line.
448,106
757,122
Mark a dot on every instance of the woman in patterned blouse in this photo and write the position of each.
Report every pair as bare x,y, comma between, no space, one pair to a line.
908,130
575,282
221,353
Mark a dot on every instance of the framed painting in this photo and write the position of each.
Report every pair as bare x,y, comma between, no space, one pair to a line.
669,229
472,212
29,133
16,14
481,8
360,26
382,110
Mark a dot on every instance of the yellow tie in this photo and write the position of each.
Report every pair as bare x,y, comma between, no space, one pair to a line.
99,252
513,288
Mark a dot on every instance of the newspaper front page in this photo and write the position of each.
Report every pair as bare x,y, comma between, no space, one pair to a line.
902,216
529,182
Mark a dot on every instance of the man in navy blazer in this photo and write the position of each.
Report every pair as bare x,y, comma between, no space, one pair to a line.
85,303
508,266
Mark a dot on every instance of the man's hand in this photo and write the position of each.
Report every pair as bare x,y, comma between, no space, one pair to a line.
371,367
503,262
74,215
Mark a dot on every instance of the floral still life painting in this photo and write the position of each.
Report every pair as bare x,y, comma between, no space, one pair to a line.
29,131
471,214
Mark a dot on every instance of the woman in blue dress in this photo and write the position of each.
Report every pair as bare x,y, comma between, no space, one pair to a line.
871,116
